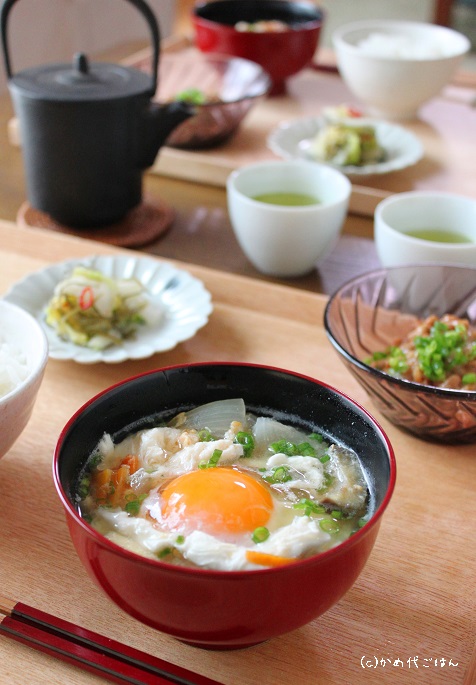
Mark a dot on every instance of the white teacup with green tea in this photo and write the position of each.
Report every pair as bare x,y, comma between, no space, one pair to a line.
426,226
287,215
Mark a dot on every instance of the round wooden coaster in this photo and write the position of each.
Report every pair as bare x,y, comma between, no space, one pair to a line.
142,225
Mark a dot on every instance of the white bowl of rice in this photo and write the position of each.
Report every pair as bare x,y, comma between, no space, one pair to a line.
23,358
393,67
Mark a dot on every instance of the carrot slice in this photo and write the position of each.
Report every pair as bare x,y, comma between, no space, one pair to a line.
120,481
102,477
132,461
263,559
102,484
110,486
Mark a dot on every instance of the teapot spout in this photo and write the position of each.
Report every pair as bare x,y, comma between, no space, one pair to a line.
157,124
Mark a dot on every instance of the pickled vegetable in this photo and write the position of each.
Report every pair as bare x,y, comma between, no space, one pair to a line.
93,310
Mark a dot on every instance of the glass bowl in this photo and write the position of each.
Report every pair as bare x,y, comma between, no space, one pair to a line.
373,310
228,86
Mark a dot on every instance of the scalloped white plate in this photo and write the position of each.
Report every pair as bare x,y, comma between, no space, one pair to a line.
184,300
292,140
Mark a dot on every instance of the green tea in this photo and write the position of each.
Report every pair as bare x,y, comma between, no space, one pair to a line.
438,235
287,199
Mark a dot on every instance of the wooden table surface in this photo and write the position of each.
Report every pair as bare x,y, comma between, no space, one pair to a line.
191,183
201,231
410,616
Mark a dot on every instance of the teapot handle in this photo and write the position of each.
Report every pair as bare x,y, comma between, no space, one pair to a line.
140,5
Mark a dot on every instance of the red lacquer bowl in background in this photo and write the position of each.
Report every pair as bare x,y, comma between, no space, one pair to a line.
223,609
282,54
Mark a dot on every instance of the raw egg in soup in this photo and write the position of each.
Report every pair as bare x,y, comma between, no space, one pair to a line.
220,487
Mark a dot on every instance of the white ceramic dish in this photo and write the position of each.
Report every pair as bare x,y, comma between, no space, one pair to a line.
412,64
284,240
184,299
400,214
291,140
23,360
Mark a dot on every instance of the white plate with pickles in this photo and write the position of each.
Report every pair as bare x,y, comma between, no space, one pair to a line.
110,309
357,149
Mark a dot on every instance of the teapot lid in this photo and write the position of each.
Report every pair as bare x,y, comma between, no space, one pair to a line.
82,81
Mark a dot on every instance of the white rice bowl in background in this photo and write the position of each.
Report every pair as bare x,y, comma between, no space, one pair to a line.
394,67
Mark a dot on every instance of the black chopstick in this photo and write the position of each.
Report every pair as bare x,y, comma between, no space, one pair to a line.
89,650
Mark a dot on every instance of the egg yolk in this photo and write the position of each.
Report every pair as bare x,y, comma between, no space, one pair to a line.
215,500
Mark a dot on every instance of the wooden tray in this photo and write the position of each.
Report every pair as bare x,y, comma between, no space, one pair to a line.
414,603
445,126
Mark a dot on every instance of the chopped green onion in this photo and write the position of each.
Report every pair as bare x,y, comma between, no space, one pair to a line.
396,358
442,350
247,441
329,526
280,474
317,437
469,378
309,507
95,460
193,96
283,447
212,462
164,552
260,534
337,514
180,539
305,449
83,488
132,507
377,356
205,435
290,449
398,361
324,458
328,480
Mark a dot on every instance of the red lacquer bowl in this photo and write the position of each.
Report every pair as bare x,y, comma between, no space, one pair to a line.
220,609
281,54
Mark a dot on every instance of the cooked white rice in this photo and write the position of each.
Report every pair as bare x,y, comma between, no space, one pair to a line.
401,47
13,367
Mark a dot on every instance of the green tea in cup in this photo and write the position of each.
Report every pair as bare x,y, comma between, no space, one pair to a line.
287,199
439,235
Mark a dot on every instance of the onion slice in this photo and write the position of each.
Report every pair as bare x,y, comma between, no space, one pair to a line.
215,416
266,431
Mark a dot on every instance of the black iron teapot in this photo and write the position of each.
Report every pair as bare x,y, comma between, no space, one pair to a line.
88,131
